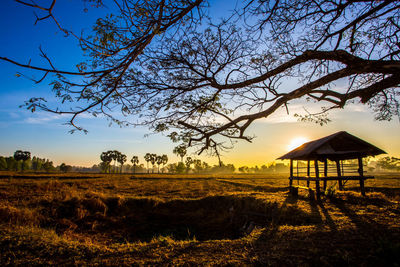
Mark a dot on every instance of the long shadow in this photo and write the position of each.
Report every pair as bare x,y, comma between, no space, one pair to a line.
362,224
271,189
142,219
371,199
290,214
387,191
317,206
365,239
170,178
328,217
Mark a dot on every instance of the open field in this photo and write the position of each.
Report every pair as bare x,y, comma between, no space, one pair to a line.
194,220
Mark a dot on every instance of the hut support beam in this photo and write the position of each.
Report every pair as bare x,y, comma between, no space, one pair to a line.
339,174
291,176
308,172
317,190
361,172
325,173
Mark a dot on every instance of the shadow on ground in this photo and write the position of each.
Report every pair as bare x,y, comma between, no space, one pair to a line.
134,219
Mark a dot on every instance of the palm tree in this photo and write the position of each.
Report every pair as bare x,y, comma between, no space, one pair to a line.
164,160
18,156
21,155
106,159
180,151
114,156
134,160
153,159
121,158
159,161
147,158
197,165
188,162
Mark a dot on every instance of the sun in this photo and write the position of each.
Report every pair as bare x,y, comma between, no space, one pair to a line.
296,142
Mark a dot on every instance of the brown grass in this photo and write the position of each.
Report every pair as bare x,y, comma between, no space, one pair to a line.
194,220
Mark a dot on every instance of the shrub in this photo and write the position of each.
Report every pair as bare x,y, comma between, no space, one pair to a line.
330,191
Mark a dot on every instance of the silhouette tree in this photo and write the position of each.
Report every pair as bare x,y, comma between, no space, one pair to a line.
159,161
65,168
48,166
106,159
114,155
389,163
153,160
23,156
135,161
244,169
164,160
147,158
197,165
205,84
112,48
11,164
3,163
121,158
180,151
37,163
188,163
205,167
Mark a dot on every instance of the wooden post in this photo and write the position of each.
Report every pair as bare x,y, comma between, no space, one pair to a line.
361,172
325,173
291,175
308,172
339,174
317,179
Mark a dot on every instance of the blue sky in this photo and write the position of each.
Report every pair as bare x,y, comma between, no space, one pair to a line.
45,135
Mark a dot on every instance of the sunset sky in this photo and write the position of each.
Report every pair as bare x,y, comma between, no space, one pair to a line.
44,134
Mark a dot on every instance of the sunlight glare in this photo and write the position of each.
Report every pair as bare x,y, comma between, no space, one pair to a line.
296,142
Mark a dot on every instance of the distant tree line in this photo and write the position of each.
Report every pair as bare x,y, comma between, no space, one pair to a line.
109,156
113,161
22,161
158,164
388,163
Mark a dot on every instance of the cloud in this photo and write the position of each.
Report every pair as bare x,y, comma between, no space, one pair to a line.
357,108
123,141
14,115
43,118
273,119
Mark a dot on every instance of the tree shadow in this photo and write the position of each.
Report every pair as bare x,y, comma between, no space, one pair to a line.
346,245
143,219
362,223
261,188
389,192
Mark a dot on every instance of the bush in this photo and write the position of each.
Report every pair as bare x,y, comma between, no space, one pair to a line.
330,191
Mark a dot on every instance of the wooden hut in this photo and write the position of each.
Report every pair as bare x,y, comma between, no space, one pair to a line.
341,155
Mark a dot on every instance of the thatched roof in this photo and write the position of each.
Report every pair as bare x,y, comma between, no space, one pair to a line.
338,146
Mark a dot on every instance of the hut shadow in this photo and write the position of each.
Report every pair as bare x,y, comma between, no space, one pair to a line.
328,218
317,209
389,192
361,224
379,197
288,216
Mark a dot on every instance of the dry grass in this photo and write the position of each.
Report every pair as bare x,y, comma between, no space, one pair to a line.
194,220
